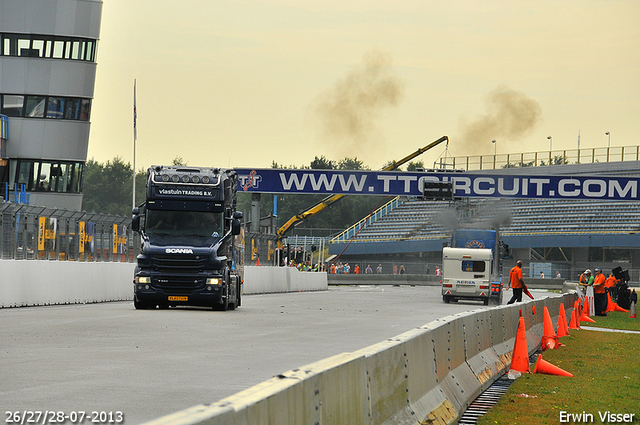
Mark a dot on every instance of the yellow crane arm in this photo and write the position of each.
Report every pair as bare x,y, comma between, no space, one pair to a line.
396,164
333,198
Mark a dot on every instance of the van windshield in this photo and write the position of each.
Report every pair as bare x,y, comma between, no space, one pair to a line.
184,223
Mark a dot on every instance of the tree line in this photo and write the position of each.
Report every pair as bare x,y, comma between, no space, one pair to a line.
107,188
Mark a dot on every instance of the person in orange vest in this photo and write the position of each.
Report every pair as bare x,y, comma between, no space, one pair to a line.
610,285
583,278
599,292
610,282
356,269
516,282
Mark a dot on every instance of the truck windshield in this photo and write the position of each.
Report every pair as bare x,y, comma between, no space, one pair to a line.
185,223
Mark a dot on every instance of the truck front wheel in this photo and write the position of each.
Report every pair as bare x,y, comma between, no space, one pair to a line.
139,305
224,306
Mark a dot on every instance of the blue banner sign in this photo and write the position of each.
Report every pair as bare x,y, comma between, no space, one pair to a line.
272,180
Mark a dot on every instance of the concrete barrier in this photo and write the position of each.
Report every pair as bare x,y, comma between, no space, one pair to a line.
383,279
427,375
32,282
267,280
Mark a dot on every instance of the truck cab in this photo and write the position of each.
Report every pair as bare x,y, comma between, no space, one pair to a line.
188,225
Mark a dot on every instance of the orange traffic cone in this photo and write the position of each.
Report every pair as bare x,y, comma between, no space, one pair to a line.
563,328
520,358
585,318
585,310
258,262
611,306
632,314
575,323
543,366
618,308
549,337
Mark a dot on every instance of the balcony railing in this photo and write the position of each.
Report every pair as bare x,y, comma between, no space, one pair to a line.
540,159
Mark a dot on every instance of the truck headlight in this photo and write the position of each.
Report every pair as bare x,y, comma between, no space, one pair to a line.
214,281
143,279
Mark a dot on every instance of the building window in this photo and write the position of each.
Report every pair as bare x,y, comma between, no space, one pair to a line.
47,176
55,107
47,46
12,105
35,106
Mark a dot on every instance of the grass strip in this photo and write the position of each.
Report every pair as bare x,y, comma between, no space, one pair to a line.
606,380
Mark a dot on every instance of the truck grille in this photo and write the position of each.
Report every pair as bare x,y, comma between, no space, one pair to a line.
179,274
178,284
179,264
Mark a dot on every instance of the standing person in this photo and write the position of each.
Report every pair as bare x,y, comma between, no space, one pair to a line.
599,292
610,285
402,270
583,277
356,269
379,269
438,271
588,284
541,275
368,269
558,275
395,269
516,282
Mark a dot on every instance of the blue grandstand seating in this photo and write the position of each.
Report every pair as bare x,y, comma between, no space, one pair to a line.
414,218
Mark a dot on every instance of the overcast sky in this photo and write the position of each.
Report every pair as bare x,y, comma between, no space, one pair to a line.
245,83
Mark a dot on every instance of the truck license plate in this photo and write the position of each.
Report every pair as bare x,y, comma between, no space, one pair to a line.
176,298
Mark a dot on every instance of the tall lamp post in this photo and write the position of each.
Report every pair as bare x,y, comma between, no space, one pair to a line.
550,147
494,153
608,144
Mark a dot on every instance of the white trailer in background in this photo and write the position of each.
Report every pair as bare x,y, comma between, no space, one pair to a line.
466,274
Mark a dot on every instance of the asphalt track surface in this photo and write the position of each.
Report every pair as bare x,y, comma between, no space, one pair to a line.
148,363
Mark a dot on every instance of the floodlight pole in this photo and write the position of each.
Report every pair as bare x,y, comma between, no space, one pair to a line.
135,137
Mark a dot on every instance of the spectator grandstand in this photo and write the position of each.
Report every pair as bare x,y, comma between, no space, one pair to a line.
582,232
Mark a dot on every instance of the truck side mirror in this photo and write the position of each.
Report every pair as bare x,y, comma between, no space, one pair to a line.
135,223
235,226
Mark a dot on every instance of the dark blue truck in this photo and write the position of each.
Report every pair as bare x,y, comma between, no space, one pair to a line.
188,226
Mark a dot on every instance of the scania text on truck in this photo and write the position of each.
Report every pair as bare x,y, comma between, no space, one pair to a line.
188,226
471,269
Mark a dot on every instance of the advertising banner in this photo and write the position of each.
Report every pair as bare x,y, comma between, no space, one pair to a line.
272,180
47,228
119,239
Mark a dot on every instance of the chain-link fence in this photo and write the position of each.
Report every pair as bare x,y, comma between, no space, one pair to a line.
42,233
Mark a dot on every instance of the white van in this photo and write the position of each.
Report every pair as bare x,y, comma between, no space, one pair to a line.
466,274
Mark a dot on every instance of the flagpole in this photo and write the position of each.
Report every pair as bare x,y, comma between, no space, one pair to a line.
135,137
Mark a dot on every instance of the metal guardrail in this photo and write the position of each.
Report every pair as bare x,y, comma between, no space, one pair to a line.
379,213
544,158
42,233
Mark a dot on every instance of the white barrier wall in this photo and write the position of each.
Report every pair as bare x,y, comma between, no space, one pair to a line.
428,375
267,280
33,282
